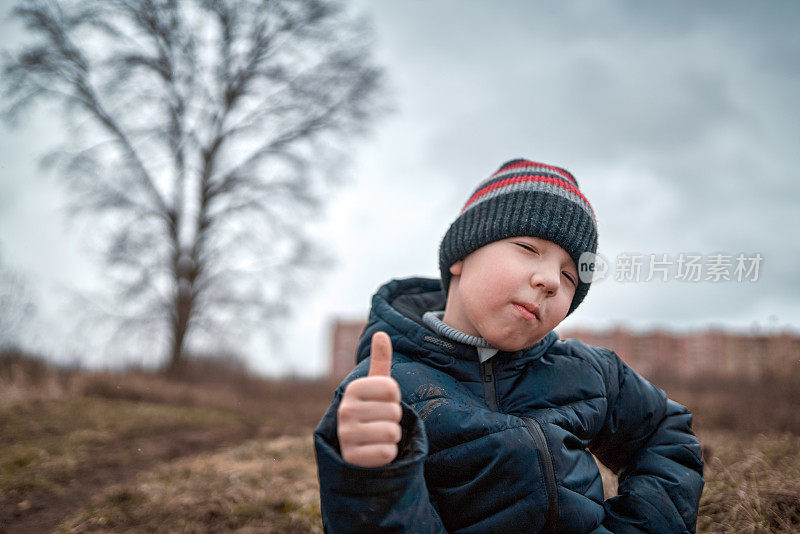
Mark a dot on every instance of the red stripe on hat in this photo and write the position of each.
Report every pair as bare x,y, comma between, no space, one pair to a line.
528,163
520,179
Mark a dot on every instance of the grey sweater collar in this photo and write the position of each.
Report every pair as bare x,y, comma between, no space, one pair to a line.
433,320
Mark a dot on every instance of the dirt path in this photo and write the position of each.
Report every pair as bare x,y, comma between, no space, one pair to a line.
42,511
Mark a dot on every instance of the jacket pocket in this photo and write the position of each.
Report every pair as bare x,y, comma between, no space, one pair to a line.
548,469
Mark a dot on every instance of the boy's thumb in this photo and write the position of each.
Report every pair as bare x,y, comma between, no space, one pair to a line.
381,355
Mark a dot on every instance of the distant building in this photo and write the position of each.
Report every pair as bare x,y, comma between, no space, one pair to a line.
709,353
343,347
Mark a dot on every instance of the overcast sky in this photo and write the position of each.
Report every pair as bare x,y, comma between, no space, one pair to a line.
680,120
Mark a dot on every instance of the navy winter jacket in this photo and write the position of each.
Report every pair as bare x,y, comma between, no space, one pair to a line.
504,446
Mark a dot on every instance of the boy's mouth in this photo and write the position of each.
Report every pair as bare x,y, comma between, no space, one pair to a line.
528,311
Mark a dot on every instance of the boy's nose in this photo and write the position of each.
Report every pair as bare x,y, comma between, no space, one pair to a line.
546,279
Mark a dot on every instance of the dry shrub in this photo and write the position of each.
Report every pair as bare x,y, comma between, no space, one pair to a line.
752,486
745,406
288,406
258,486
23,376
218,368
137,386
15,365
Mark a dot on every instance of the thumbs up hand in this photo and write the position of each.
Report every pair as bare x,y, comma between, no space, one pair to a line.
368,420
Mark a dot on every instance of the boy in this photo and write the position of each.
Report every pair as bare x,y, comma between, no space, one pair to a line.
475,416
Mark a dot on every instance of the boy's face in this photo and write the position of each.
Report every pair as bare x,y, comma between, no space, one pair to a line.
511,292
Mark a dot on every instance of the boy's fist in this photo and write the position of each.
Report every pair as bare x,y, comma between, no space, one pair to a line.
368,420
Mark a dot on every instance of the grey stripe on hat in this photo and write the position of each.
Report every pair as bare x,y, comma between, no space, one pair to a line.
534,186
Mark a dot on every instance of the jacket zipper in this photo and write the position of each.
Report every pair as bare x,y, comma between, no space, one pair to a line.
535,429
548,469
487,373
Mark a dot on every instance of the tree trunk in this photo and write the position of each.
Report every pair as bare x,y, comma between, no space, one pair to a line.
182,312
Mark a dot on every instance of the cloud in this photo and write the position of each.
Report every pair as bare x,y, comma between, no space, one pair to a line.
679,119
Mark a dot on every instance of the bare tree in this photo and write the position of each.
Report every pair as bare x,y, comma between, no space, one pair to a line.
207,133
17,307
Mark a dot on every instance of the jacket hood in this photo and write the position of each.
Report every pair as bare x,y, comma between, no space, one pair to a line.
397,309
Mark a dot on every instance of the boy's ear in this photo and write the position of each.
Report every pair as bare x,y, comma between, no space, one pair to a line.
455,269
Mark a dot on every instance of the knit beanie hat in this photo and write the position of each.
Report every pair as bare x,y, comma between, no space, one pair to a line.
524,198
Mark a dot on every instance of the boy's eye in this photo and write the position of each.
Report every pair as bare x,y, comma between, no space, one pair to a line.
569,277
527,247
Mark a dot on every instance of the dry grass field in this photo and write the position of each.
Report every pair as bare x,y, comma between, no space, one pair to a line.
219,451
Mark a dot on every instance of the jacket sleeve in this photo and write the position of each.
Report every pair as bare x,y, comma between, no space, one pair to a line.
648,441
393,498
